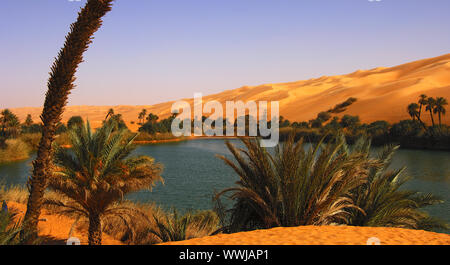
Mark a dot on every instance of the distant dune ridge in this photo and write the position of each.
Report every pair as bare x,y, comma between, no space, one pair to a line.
382,93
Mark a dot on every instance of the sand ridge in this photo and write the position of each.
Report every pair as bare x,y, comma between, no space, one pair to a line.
383,93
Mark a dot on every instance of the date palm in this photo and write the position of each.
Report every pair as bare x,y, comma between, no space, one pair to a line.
384,203
430,105
9,124
109,114
142,116
439,107
413,111
60,83
293,186
152,118
422,102
98,172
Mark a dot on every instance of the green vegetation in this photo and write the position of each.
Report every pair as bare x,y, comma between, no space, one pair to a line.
327,184
382,200
412,133
9,229
75,121
15,150
172,227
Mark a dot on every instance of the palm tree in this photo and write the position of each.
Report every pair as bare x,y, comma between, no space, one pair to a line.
431,102
439,107
413,111
75,121
28,121
142,116
422,102
109,114
384,202
293,187
9,123
60,84
152,118
98,172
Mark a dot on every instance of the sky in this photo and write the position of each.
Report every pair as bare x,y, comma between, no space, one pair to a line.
152,51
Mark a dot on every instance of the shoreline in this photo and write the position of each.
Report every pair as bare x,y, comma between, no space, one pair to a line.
190,138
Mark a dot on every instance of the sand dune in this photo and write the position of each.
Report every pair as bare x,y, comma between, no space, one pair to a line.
382,93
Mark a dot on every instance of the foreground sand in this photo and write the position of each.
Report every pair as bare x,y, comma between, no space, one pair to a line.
383,93
323,235
55,229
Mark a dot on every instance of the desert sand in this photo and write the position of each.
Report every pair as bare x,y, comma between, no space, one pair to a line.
382,93
54,229
323,235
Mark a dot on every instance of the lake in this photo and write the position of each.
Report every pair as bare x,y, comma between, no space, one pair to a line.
192,172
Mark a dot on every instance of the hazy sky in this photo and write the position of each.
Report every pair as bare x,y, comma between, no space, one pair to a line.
150,51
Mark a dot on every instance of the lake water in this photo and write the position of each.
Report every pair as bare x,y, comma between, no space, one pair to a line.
192,172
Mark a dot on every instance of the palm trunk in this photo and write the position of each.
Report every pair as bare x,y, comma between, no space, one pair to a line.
37,185
439,115
95,229
432,119
423,124
59,85
420,111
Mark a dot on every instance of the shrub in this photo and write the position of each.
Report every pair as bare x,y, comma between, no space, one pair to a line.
15,150
173,227
293,187
31,139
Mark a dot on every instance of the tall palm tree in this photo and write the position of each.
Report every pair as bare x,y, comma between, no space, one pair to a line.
109,114
98,172
142,116
439,107
422,102
294,186
431,102
413,111
59,85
